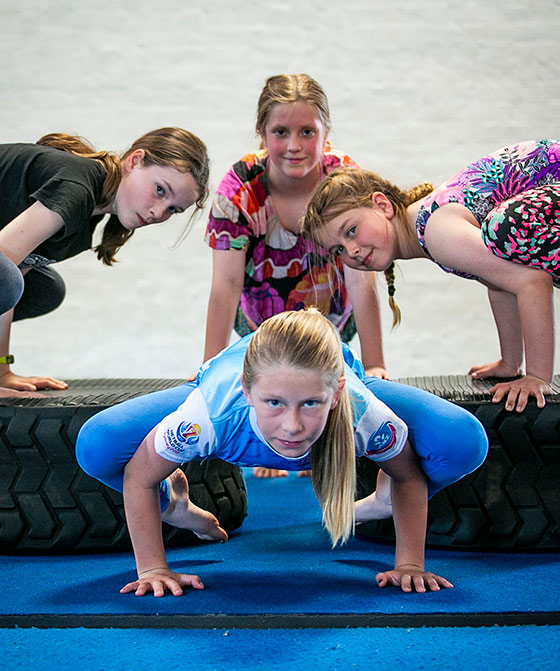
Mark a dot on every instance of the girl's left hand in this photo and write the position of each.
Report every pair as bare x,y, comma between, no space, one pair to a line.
410,577
13,381
517,392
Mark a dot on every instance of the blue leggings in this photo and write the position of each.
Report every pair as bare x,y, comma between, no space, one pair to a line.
449,441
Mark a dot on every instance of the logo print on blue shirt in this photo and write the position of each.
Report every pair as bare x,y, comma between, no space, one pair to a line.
189,432
382,440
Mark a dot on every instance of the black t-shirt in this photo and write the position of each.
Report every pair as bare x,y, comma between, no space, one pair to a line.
66,184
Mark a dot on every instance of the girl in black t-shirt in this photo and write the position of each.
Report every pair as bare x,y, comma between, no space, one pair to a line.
52,196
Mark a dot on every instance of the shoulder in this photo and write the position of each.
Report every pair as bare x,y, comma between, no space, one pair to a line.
352,361
242,174
238,201
187,433
43,157
334,158
219,379
378,432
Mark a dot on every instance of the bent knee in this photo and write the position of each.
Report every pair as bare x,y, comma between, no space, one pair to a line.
93,452
12,283
470,442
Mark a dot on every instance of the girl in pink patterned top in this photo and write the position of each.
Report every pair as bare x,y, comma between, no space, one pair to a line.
261,264
496,221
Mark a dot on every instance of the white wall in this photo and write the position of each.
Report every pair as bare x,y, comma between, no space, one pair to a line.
416,89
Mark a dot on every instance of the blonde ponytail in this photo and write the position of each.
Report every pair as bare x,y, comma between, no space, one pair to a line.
306,339
333,471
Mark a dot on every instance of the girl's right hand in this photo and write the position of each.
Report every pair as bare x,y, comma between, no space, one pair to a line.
516,393
13,381
161,580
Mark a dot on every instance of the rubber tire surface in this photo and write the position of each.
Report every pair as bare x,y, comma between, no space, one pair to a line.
49,505
512,502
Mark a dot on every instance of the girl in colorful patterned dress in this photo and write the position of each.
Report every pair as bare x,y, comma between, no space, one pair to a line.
53,195
261,264
497,221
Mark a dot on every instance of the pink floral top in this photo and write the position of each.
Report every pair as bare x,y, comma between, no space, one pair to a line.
514,193
282,270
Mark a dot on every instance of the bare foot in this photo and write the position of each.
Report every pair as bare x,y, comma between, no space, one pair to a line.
261,472
376,506
183,513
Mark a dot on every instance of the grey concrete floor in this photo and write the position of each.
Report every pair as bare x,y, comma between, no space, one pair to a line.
416,91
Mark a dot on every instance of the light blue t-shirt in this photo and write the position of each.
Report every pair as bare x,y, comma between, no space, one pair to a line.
216,422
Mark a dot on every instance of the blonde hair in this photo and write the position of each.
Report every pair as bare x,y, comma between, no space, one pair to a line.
172,147
349,188
283,89
306,339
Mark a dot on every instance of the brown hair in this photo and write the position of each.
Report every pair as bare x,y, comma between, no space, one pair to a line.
291,89
306,339
350,188
173,147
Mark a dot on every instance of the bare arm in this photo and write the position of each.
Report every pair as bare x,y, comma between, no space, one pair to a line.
362,291
28,230
410,511
142,476
228,273
455,241
536,310
17,240
506,317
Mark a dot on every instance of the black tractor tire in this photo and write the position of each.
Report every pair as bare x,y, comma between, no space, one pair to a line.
512,502
49,505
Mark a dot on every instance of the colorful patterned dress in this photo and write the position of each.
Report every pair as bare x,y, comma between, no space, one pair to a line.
514,193
282,270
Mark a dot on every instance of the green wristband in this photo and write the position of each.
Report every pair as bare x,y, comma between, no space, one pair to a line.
9,358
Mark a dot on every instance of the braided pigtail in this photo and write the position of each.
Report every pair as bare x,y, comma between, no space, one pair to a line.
410,196
418,192
390,278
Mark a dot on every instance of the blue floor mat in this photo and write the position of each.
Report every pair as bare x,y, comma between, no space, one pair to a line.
491,649
280,564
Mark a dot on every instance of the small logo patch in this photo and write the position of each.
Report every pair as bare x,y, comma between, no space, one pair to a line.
382,440
189,433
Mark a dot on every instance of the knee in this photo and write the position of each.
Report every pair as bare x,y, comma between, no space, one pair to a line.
452,449
44,292
12,283
470,442
57,293
91,447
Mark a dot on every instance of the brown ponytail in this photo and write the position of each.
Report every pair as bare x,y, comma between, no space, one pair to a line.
79,146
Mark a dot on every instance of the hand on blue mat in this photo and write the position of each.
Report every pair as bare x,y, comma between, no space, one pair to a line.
160,580
409,576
